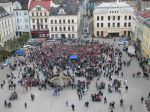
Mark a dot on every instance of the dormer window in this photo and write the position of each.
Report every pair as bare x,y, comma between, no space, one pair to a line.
61,11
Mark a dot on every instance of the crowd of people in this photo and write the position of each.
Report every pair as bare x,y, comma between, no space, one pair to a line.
94,59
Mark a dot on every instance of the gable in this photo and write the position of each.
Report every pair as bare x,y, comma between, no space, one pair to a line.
17,5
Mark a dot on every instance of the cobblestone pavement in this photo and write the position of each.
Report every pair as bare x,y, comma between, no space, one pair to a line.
45,102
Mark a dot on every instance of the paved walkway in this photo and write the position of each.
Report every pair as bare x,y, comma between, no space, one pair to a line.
45,102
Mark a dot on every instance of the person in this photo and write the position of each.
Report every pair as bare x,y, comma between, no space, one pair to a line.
25,105
5,103
126,87
105,100
121,102
1,86
87,104
131,107
73,106
149,95
66,103
142,99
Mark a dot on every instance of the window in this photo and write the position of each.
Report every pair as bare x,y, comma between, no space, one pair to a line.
45,20
129,17
72,21
41,20
113,17
26,26
37,14
32,14
118,17
97,24
26,20
46,27
72,28
108,24
45,14
97,33
118,24
68,21
129,24
97,17
33,26
59,21
25,13
102,18
37,20
72,35
108,17
63,21
51,21
125,18
60,28
51,28
41,26
40,13
33,21
38,8
113,24
125,24
102,24
68,28
55,28
102,33
64,28
55,21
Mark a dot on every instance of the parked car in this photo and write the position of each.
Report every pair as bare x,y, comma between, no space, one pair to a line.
6,63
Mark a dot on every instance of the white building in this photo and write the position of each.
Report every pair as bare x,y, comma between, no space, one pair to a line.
39,14
112,19
20,8
7,23
64,21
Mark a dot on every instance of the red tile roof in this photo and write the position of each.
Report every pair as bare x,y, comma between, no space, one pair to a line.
144,14
44,3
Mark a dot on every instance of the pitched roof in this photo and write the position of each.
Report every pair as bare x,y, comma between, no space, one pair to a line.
104,7
144,16
69,9
44,3
24,3
4,1
3,12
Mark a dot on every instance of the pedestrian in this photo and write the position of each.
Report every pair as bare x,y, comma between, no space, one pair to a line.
126,87
131,107
87,104
121,102
142,99
66,103
25,105
5,103
105,100
149,95
1,86
73,107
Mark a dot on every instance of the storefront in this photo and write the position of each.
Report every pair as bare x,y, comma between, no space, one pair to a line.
40,34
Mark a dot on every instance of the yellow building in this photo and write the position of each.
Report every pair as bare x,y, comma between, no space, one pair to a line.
141,30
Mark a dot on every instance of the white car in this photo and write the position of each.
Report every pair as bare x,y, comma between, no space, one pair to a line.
123,42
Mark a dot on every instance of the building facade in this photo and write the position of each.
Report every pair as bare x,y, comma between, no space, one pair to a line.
39,14
64,21
141,31
112,19
7,23
20,9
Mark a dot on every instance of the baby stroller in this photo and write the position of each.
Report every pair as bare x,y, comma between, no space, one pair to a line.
13,96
